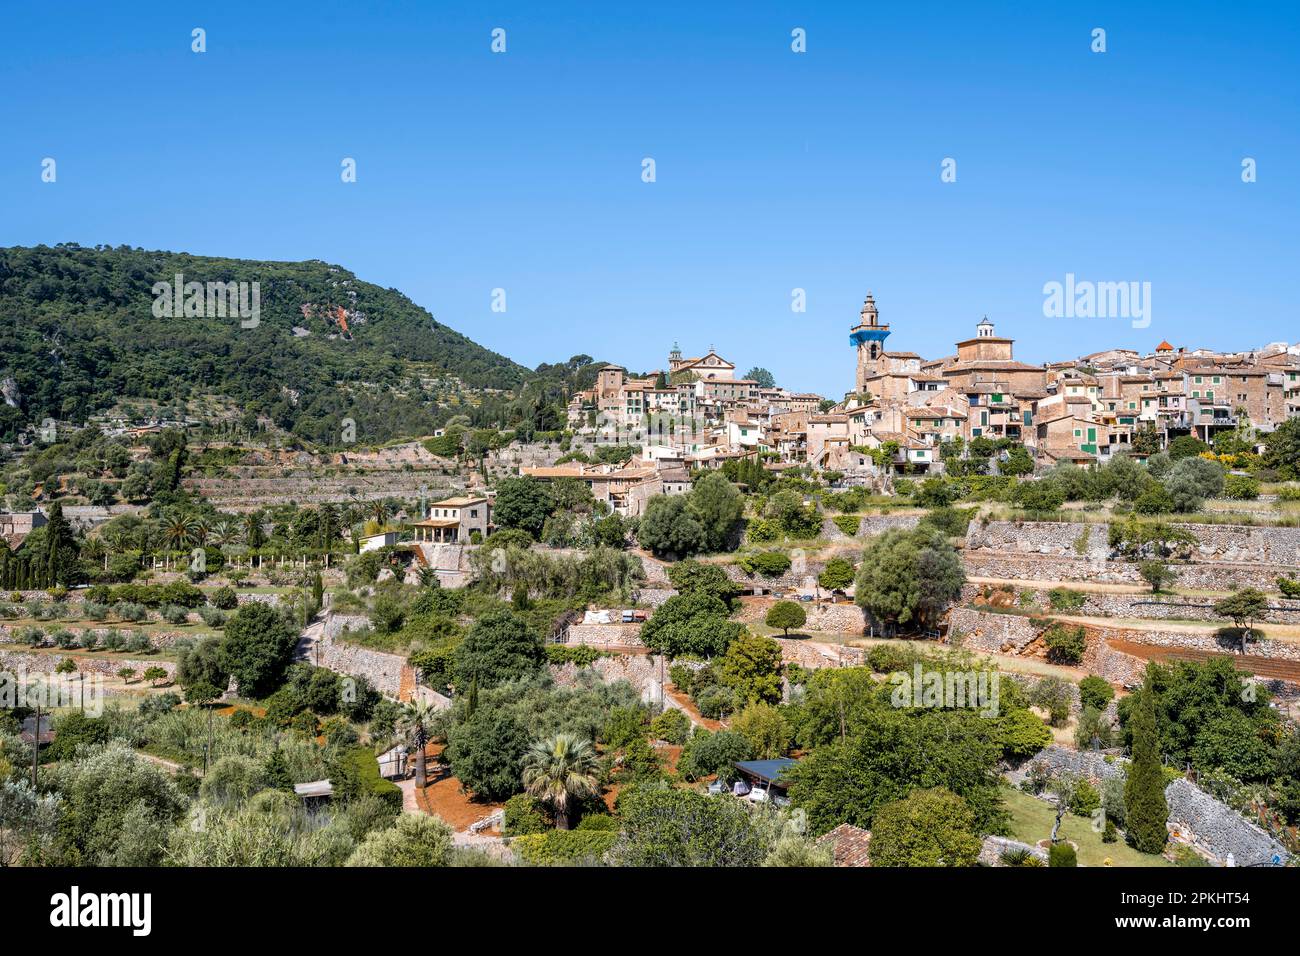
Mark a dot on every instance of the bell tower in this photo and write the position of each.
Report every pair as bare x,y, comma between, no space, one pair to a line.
868,337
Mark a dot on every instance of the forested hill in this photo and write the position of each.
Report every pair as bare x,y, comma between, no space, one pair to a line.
80,334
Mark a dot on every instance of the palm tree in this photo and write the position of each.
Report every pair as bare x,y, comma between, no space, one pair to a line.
179,532
413,726
254,536
559,769
379,511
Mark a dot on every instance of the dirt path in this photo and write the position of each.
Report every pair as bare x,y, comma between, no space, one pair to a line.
1096,587
1280,632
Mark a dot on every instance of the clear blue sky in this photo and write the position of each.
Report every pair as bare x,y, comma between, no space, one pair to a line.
775,170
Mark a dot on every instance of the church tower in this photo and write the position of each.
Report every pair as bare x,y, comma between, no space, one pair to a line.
868,336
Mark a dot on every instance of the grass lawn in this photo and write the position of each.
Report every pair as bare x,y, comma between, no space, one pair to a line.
1031,821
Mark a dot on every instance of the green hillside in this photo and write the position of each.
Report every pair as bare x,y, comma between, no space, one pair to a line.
81,335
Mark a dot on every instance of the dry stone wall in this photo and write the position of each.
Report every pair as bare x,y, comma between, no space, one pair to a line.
381,669
18,662
1216,829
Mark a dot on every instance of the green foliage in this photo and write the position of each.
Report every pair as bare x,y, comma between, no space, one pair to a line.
1241,487
908,578
1066,600
1288,587
123,351
1144,788
564,847
837,575
498,648
625,725
691,576
256,648
1186,446
522,503
705,519
785,615
1157,574
848,524
1095,692
671,726
765,728
933,827
770,564
1062,854
1066,644
1044,494
1282,449
414,840
694,623
683,828
1022,734
1191,481
523,815
108,792
752,668
884,753
706,754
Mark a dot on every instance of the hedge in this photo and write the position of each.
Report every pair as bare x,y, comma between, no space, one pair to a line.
563,847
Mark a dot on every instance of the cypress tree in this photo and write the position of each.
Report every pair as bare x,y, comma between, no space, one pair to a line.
1144,790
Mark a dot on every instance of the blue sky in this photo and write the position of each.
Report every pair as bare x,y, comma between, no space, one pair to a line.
775,170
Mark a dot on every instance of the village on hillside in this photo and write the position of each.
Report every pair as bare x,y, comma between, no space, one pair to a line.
976,612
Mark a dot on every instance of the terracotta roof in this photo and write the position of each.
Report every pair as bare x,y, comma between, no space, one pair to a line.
851,845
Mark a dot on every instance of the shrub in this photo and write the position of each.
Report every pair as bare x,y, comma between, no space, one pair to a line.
130,611
564,847
1095,692
1241,487
770,564
887,658
579,654
225,599
1065,599
94,611
212,616
848,524
1085,800
1065,644
1062,854
357,773
672,726
1288,587
523,815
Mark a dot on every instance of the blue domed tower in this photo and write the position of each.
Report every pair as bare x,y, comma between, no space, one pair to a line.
869,337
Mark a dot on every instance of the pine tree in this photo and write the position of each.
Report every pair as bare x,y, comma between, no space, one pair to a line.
1144,790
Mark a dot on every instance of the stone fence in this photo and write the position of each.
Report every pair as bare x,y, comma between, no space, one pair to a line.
604,635
1216,829
381,669
1216,544
19,662
990,632
1007,565
1149,606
